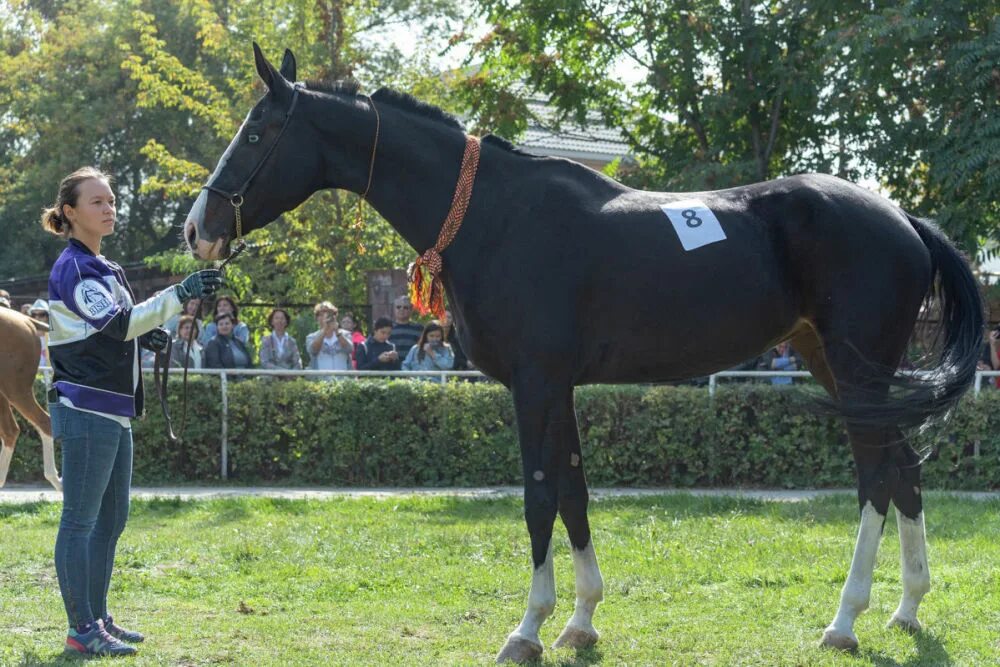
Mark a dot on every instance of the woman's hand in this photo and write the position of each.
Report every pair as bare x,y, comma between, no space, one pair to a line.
429,349
199,284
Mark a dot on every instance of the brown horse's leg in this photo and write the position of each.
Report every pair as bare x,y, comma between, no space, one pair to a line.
26,404
9,430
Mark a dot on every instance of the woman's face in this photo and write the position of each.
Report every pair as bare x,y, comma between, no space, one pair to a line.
279,322
225,326
347,322
184,331
94,213
434,337
192,307
224,307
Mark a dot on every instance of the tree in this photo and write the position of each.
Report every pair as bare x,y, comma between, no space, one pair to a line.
728,93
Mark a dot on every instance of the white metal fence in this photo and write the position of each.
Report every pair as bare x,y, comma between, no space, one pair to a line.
439,376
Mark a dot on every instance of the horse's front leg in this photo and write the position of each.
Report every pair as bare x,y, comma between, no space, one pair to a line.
573,499
537,406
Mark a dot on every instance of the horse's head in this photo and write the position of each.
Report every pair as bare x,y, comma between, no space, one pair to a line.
262,174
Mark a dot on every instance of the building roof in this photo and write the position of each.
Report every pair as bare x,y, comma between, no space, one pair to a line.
594,142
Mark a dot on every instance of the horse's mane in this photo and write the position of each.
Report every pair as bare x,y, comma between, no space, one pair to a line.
407,102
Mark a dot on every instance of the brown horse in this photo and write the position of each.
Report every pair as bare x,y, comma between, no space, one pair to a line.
19,357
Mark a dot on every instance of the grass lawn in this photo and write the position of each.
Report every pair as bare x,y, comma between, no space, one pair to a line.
442,581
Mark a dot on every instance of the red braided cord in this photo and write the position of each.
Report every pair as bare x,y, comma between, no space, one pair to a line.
426,288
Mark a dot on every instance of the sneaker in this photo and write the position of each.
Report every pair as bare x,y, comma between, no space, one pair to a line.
96,641
118,632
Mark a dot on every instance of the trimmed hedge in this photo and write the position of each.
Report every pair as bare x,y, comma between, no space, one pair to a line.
409,433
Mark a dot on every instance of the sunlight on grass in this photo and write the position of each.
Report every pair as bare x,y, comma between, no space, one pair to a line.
442,581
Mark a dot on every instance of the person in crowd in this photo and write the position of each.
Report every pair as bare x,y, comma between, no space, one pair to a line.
782,358
377,353
26,309
4,298
39,310
187,330
330,347
404,332
990,360
349,323
96,391
278,349
431,353
191,307
451,337
225,350
226,305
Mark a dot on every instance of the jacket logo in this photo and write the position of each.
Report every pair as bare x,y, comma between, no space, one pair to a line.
93,299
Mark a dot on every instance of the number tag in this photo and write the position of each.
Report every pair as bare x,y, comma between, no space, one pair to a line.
694,223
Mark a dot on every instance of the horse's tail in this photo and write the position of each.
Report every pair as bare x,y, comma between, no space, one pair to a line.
918,398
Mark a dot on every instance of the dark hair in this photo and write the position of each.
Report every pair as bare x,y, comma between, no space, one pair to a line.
53,220
215,308
429,328
357,325
224,316
270,317
195,329
381,323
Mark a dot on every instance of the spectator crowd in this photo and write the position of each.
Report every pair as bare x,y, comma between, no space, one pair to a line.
213,336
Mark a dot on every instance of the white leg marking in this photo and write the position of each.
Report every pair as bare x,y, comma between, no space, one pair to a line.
5,455
589,591
49,462
916,576
858,587
541,602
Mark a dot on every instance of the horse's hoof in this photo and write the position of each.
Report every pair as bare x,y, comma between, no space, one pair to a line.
908,625
576,638
519,650
838,640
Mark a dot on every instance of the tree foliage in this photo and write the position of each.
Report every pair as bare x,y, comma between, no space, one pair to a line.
713,94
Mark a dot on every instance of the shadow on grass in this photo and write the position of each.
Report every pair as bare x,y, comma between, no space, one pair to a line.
32,659
930,651
13,509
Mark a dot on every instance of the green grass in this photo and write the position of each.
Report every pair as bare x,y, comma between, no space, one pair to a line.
442,581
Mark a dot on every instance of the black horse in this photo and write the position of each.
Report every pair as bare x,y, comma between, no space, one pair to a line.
622,286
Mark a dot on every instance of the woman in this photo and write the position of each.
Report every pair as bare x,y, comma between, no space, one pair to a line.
278,349
430,353
187,330
96,332
191,307
348,323
225,305
225,350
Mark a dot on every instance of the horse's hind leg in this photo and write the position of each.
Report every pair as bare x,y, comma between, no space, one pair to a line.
9,430
874,492
912,546
27,405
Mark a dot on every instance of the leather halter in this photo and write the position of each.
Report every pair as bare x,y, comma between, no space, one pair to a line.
235,197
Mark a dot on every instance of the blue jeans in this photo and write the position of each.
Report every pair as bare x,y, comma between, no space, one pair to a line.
97,474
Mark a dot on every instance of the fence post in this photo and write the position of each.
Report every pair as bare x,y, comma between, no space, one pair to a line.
979,382
711,385
225,425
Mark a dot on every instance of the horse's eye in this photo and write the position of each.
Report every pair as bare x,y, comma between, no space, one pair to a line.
253,138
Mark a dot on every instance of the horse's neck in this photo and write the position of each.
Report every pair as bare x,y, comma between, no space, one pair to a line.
417,161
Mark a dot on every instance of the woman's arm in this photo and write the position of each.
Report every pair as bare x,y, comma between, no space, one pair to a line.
445,358
267,353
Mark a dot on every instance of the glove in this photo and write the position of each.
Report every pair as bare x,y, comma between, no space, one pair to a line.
155,340
199,284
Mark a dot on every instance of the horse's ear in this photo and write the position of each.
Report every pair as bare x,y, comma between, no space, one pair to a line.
265,69
288,65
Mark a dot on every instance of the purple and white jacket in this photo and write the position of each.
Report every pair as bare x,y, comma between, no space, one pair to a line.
93,344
